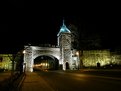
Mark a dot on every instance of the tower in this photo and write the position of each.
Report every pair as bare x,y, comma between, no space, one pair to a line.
64,42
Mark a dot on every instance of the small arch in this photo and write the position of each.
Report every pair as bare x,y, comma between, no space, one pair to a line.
67,65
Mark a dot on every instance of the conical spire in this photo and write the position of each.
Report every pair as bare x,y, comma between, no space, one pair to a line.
63,22
64,29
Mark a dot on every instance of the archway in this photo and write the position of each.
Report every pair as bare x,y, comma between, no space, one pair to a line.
67,65
45,62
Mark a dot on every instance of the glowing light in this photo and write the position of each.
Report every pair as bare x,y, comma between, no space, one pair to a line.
77,53
24,51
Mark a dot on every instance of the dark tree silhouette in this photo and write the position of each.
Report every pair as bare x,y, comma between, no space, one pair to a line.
74,36
84,39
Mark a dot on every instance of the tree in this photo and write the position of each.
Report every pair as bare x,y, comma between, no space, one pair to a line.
84,40
90,41
18,58
74,36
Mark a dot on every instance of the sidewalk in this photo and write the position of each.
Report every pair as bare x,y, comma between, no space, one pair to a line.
34,82
4,75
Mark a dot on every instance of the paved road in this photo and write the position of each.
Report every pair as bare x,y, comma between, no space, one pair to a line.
67,81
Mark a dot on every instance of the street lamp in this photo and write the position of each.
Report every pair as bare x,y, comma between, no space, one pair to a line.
24,51
77,53
24,64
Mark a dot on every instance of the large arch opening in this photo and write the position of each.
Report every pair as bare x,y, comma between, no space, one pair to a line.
45,62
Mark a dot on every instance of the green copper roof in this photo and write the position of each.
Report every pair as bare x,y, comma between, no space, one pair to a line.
64,29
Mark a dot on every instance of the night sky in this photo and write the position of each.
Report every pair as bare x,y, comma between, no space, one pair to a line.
22,24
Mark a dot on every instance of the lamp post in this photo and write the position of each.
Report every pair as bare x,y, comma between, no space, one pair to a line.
12,58
24,64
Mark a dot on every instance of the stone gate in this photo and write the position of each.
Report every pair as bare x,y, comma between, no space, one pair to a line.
64,52
32,52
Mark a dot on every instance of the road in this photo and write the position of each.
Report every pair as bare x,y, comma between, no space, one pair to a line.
72,81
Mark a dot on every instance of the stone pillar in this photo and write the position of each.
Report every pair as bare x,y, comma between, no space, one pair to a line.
28,58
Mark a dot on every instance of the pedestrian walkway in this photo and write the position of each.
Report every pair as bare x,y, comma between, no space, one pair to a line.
4,75
34,82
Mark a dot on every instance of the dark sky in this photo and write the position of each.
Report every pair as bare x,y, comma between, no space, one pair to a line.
33,23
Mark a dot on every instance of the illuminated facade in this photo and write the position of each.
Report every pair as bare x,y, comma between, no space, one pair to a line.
5,62
64,43
62,52
92,57
68,58
32,52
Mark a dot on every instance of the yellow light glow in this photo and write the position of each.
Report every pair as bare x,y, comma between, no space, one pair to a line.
24,51
77,53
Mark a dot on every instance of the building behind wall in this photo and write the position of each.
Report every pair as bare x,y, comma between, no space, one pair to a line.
5,62
115,58
91,58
